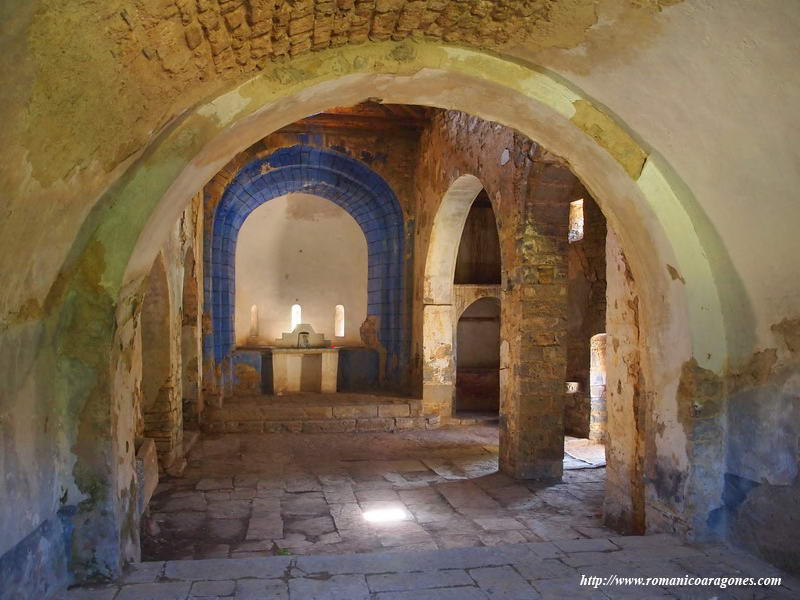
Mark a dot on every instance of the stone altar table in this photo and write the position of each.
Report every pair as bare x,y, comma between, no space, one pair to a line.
303,361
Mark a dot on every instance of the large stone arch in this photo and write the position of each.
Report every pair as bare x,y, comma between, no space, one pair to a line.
448,225
661,229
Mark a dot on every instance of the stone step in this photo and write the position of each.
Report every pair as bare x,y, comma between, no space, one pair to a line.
472,418
532,570
317,413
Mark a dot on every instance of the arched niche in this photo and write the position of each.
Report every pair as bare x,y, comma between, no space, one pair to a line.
306,250
161,408
478,260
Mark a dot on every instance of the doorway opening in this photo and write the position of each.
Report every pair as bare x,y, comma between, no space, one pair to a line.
478,360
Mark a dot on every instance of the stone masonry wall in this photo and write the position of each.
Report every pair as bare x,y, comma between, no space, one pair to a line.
161,413
240,33
530,191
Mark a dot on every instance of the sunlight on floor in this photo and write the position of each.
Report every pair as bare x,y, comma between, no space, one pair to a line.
385,515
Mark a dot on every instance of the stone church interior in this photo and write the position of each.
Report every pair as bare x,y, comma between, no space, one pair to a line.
400,299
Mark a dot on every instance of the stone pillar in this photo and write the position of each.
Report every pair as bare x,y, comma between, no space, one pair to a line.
597,387
624,500
534,310
438,371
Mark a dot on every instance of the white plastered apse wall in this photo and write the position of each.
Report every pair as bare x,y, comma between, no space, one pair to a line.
715,90
300,249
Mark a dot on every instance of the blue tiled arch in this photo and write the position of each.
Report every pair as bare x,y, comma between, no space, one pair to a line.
343,180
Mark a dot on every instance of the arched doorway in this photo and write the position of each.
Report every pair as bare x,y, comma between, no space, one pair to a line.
478,358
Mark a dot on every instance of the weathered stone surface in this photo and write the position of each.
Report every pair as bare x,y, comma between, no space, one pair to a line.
224,569
394,582
337,426
260,528
390,410
314,527
226,530
305,504
155,591
499,524
375,425
502,582
231,509
355,412
315,502
260,589
514,571
215,484
213,588
338,587
144,572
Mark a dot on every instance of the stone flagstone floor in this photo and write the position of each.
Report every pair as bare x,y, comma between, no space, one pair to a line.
248,495
287,517
541,570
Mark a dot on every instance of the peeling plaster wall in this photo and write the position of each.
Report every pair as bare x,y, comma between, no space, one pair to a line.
71,537
712,85
623,505
761,495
